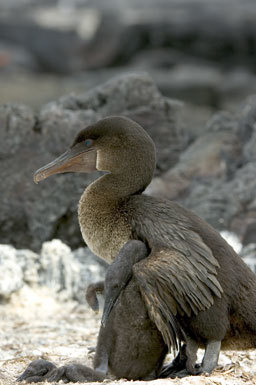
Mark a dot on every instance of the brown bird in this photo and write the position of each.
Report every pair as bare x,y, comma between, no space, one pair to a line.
129,345
195,287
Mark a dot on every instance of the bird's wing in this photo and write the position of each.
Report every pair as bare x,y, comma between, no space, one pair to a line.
171,283
179,277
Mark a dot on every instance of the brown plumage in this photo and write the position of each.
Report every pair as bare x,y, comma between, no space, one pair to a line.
194,285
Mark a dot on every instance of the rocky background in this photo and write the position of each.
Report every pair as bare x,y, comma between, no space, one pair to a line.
185,70
199,51
211,170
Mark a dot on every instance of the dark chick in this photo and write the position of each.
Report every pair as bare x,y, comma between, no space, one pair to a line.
129,344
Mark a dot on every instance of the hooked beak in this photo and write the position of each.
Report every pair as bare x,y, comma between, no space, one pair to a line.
76,159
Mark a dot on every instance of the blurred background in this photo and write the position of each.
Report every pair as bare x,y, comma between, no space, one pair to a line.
200,51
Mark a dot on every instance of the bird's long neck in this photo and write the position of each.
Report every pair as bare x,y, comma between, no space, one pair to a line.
102,217
116,187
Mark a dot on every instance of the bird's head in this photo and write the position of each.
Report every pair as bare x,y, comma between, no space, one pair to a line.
114,145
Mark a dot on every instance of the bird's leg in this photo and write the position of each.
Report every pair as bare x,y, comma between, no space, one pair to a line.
104,345
211,357
191,352
81,373
101,360
185,362
90,295
209,362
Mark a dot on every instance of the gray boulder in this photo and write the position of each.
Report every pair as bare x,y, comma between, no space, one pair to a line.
91,269
210,158
11,277
69,273
30,264
65,272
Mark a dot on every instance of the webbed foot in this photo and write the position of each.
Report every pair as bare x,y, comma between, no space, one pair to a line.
180,374
180,371
177,365
37,371
169,372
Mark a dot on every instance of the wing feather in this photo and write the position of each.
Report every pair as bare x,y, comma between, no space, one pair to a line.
171,288
179,277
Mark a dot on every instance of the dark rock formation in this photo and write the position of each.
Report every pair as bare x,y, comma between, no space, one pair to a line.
215,176
31,214
210,170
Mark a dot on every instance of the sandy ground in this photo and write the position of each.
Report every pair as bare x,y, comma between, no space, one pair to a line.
35,325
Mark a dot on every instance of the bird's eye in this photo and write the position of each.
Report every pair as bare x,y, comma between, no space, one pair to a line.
88,142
